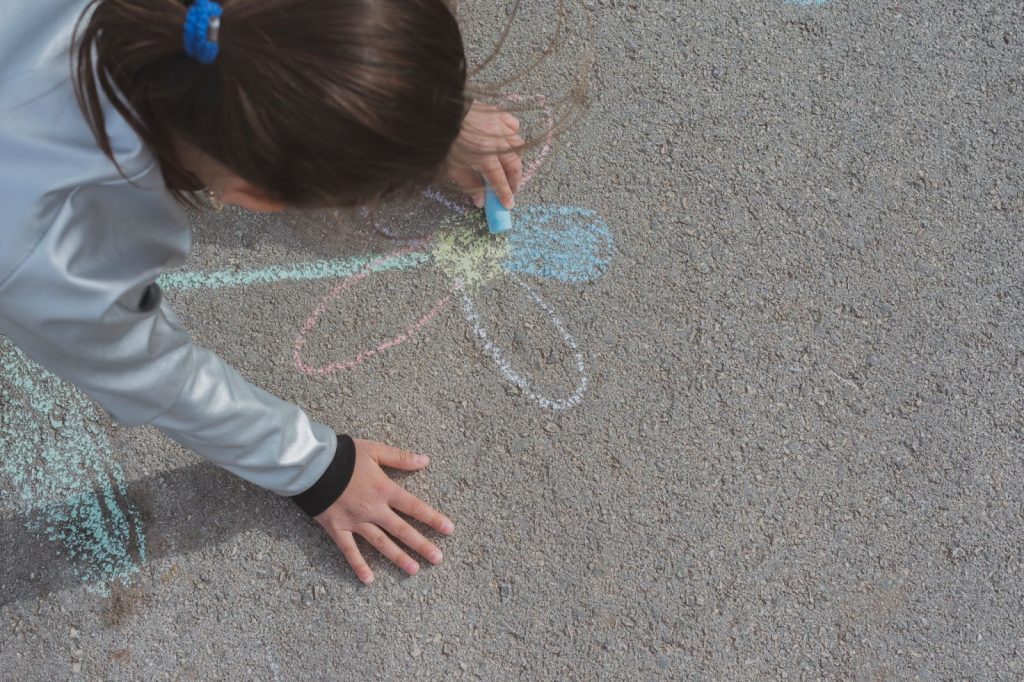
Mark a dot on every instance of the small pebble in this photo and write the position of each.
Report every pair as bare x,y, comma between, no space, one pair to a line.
505,591
76,668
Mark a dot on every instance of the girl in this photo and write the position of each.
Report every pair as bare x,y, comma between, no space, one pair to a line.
112,112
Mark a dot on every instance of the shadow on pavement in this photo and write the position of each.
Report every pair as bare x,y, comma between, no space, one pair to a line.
183,510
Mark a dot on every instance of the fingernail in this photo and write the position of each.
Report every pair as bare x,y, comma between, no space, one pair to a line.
511,204
478,202
447,527
412,568
421,459
434,557
367,579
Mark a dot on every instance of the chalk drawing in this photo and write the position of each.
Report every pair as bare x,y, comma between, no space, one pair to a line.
60,469
337,291
498,355
58,460
467,259
563,243
322,269
559,242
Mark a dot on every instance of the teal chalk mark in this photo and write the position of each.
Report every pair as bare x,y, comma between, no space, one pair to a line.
59,462
565,243
62,472
322,269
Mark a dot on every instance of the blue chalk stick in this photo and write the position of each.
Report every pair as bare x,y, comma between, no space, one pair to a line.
498,217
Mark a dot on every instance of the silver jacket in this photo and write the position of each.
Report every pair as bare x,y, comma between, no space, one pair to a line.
80,250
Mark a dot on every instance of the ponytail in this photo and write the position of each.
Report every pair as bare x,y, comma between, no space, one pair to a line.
318,102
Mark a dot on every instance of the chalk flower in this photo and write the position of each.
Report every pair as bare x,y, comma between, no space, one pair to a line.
562,243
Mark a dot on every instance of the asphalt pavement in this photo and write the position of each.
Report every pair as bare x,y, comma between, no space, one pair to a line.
739,399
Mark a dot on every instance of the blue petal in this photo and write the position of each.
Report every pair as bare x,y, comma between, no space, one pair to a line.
566,243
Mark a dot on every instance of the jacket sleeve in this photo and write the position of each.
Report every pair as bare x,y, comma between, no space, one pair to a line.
84,304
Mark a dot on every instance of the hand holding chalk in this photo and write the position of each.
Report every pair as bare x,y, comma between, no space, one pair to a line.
499,219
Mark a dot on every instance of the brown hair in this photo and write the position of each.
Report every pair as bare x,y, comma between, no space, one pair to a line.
319,102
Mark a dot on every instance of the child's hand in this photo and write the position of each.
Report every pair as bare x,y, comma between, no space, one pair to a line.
368,507
487,146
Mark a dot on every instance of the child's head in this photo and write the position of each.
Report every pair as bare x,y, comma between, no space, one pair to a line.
316,102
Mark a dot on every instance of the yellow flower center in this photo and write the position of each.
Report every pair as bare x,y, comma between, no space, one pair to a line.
468,255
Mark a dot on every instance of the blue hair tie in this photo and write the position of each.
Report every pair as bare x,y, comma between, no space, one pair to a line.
202,24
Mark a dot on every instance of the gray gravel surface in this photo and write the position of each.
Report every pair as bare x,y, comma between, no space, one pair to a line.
798,455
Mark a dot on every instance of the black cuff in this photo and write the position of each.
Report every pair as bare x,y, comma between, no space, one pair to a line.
332,484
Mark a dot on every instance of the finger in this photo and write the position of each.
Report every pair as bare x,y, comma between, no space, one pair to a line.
494,173
513,166
401,459
410,505
386,546
347,544
412,538
516,143
510,121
